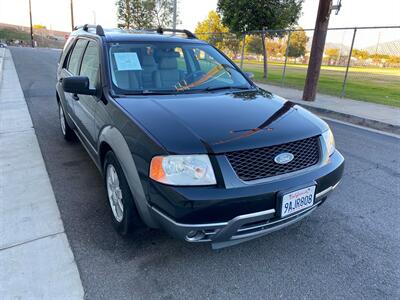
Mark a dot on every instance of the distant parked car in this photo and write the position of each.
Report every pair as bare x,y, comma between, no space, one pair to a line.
186,141
3,45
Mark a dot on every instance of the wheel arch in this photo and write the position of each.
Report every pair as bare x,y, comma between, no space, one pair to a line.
111,138
103,149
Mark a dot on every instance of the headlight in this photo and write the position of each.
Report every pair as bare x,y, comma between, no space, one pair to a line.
182,170
329,141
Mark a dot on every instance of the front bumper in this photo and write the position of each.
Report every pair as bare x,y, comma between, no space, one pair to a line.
240,229
245,225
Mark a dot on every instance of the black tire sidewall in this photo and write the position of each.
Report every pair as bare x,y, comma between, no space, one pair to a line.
69,133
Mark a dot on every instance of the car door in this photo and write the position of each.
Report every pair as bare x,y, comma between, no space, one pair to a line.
85,106
71,68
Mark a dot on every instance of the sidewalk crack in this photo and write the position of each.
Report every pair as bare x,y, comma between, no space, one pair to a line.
32,240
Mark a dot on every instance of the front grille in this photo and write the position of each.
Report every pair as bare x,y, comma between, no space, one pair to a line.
259,163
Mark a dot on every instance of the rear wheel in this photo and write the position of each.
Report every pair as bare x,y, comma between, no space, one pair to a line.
123,210
66,131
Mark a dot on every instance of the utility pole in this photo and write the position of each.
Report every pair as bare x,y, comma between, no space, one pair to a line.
30,19
72,15
317,50
174,17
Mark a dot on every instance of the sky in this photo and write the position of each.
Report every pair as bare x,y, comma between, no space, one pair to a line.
55,14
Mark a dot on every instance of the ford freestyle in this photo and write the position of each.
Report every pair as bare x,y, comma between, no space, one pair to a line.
186,142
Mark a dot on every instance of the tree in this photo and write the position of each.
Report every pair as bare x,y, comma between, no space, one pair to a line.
124,13
162,12
360,54
242,16
395,60
142,14
254,44
39,26
297,43
332,54
276,47
231,45
211,30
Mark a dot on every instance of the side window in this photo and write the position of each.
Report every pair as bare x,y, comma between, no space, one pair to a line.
90,64
73,63
206,62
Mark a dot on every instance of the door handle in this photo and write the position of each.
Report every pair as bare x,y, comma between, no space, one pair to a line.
75,97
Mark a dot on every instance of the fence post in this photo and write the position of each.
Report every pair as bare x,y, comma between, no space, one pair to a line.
348,64
286,58
265,54
242,54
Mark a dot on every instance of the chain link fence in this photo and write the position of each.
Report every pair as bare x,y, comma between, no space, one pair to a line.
359,63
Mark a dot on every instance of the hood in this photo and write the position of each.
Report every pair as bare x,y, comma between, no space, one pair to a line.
221,122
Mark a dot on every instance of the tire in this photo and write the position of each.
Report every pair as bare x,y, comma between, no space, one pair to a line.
66,131
125,217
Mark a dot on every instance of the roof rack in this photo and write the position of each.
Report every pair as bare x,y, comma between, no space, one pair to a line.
86,27
159,30
188,33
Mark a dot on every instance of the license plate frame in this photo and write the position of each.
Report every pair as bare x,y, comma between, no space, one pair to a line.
284,197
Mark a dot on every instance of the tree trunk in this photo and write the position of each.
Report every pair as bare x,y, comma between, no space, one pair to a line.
317,50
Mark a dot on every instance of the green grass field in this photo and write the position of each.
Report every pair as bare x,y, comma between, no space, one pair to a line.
377,85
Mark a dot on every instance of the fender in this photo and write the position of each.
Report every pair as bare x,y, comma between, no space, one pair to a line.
67,110
113,137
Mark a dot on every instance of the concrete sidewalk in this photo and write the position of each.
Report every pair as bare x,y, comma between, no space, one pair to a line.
367,114
36,261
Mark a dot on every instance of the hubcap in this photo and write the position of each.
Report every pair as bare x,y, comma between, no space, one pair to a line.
114,193
62,120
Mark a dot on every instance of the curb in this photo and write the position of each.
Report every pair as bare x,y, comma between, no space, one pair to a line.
378,125
2,54
380,120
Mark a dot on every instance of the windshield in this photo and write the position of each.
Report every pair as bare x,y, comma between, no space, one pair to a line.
161,67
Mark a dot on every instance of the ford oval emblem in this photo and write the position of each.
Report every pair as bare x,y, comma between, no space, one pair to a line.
284,158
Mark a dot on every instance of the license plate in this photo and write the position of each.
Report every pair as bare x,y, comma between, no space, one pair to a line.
298,200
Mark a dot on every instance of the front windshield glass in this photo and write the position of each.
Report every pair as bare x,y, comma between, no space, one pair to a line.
171,68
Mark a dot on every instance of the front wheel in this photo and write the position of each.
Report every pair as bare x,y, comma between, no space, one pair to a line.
123,210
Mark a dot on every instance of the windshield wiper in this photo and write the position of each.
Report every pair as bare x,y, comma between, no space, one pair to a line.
217,88
150,92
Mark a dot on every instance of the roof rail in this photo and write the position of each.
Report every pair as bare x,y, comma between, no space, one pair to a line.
188,33
86,27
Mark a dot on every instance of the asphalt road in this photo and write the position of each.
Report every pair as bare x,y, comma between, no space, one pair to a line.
348,248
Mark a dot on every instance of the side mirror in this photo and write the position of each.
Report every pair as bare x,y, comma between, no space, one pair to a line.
77,85
249,75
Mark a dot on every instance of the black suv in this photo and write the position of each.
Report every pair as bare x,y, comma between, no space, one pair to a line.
184,139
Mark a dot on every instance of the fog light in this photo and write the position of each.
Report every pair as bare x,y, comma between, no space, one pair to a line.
195,235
